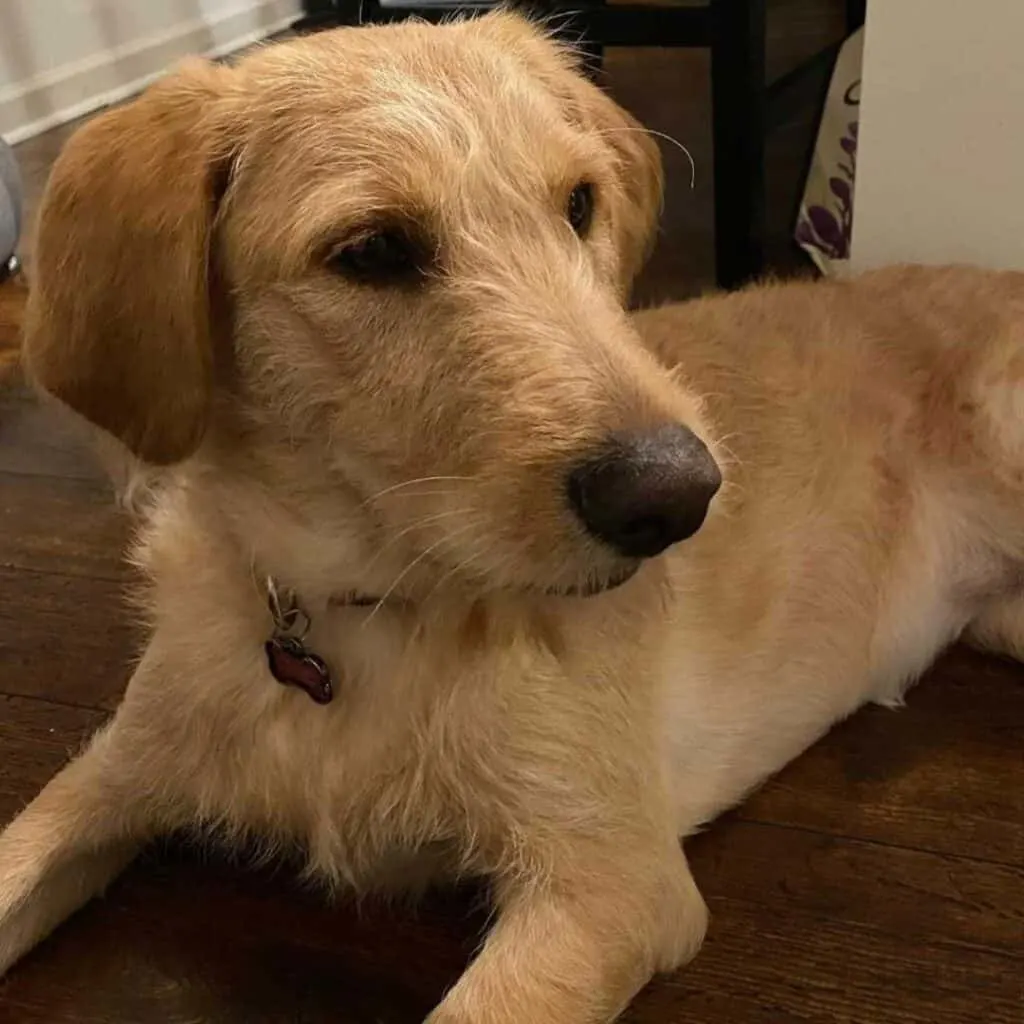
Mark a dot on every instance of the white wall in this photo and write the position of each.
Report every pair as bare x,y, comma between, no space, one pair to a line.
62,58
940,162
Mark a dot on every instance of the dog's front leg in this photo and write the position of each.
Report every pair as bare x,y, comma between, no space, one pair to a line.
77,834
575,945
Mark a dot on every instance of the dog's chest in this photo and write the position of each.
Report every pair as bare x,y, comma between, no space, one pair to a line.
396,762
347,781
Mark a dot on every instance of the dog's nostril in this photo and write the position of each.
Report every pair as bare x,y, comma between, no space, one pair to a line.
646,491
646,529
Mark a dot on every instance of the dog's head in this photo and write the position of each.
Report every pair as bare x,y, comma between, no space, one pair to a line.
401,254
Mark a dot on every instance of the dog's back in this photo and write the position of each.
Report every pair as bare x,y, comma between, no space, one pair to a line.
871,431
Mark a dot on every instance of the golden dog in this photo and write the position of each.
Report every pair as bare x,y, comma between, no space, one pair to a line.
405,464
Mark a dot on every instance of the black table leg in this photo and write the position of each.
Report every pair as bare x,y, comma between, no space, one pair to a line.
856,11
319,9
738,94
316,15
321,14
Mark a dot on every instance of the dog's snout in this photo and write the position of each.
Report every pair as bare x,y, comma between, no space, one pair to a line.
646,491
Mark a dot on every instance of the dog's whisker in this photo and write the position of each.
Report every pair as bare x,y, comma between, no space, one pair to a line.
417,524
723,447
412,483
459,567
437,492
412,565
667,138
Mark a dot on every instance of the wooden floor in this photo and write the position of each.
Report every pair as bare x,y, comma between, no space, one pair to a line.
879,880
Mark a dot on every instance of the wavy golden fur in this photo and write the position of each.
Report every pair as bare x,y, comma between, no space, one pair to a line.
411,440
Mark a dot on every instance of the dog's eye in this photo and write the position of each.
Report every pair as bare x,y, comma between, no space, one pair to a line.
580,209
380,258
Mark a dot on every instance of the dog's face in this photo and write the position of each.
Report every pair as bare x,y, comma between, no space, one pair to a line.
402,252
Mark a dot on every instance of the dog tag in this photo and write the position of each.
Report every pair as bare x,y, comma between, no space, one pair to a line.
291,664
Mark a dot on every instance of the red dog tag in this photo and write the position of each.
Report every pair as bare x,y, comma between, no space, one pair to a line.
291,664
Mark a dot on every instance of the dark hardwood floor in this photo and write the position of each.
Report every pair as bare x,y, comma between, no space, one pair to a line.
878,880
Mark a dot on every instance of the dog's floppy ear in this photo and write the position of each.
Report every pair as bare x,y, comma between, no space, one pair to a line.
119,319
637,206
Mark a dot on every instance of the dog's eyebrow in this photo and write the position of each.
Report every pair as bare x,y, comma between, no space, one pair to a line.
418,232
345,210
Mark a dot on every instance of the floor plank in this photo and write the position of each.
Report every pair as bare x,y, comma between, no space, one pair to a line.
185,938
36,740
945,774
69,526
65,638
789,968
942,900
38,440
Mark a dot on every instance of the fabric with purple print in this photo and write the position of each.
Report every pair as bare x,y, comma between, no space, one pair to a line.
824,227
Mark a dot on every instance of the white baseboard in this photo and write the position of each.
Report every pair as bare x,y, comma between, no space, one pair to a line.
37,104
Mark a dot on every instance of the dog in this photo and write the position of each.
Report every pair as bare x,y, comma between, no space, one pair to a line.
454,566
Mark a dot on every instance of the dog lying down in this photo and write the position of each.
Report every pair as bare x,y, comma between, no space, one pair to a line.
414,483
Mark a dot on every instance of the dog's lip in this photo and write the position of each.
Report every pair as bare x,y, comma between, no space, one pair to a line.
599,586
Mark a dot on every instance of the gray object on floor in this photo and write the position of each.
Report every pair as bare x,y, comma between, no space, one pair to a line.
10,209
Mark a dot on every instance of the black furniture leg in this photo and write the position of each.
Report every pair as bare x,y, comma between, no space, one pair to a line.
318,9
321,14
856,11
316,15
738,96
349,12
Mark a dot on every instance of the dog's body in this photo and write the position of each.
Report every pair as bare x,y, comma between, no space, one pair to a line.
486,717
873,517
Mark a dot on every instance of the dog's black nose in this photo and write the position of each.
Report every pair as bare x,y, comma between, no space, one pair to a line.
646,491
